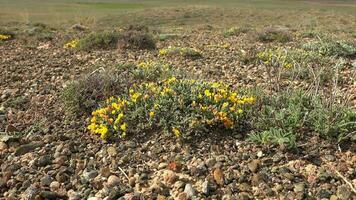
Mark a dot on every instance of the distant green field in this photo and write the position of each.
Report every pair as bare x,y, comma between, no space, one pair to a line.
167,12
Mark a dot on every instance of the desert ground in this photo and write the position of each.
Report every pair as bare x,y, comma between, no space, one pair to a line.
245,99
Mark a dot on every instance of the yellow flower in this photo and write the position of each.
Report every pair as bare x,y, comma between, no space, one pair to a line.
176,132
123,127
5,37
119,117
163,52
72,44
239,111
207,93
152,114
225,105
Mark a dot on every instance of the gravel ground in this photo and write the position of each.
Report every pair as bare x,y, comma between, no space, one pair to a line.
44,154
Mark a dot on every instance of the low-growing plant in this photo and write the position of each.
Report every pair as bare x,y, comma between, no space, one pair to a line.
136,38
328,46
178,106
166,36
274,136
6,34
181,51
102,40
39,31
274,34
234,31
86,93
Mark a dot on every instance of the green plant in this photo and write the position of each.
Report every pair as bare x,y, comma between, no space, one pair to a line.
329,46
182,51
86,93
274,136
179,106
103,40
136,38
235,31
274,34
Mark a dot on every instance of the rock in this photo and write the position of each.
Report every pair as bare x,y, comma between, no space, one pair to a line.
132,196
9,138
162,165
182,196
253,165
324,193
72,195
333,197
54,185
105,172
23,149
299,187
10,129
111,151
113,181
260,154
170,177
94,198
88,175
218,176
3,146
330,158
256,179
30,193
50,195
43,161
210,162
205,187
46,180
132,181
161,197
343,192
189,190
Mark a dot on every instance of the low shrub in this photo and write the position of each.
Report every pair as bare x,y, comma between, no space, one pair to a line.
39,31
103,40
180,107
166,36
330,47
292,114
181,51
136,38
234,31
274,35
86,93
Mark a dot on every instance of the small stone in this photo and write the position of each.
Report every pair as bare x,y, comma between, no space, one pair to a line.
3,146
210,162
182,196
54,185
162,165
343,192
105,172
113,181
323,193
189,190
10,129
161,197
218,176
111,151
299,187
253,165
170,177
333,197
132,196
260,154
46,180
256,179
23,149
94,198
89,175
330,158
205,187
132,181
44,161
72,195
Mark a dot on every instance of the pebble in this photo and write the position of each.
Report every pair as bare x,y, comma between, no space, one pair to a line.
3,146
205,187
218,176
253,165
343,192
113,181
189,190
46,180
54,185
299,187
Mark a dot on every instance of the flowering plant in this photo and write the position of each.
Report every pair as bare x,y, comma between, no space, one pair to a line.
179,106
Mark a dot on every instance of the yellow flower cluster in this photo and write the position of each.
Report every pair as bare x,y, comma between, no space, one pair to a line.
5,37
72,44
206,103
276,57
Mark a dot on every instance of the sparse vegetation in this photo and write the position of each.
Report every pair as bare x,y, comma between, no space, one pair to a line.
274,35
102,40
136,38
181,51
